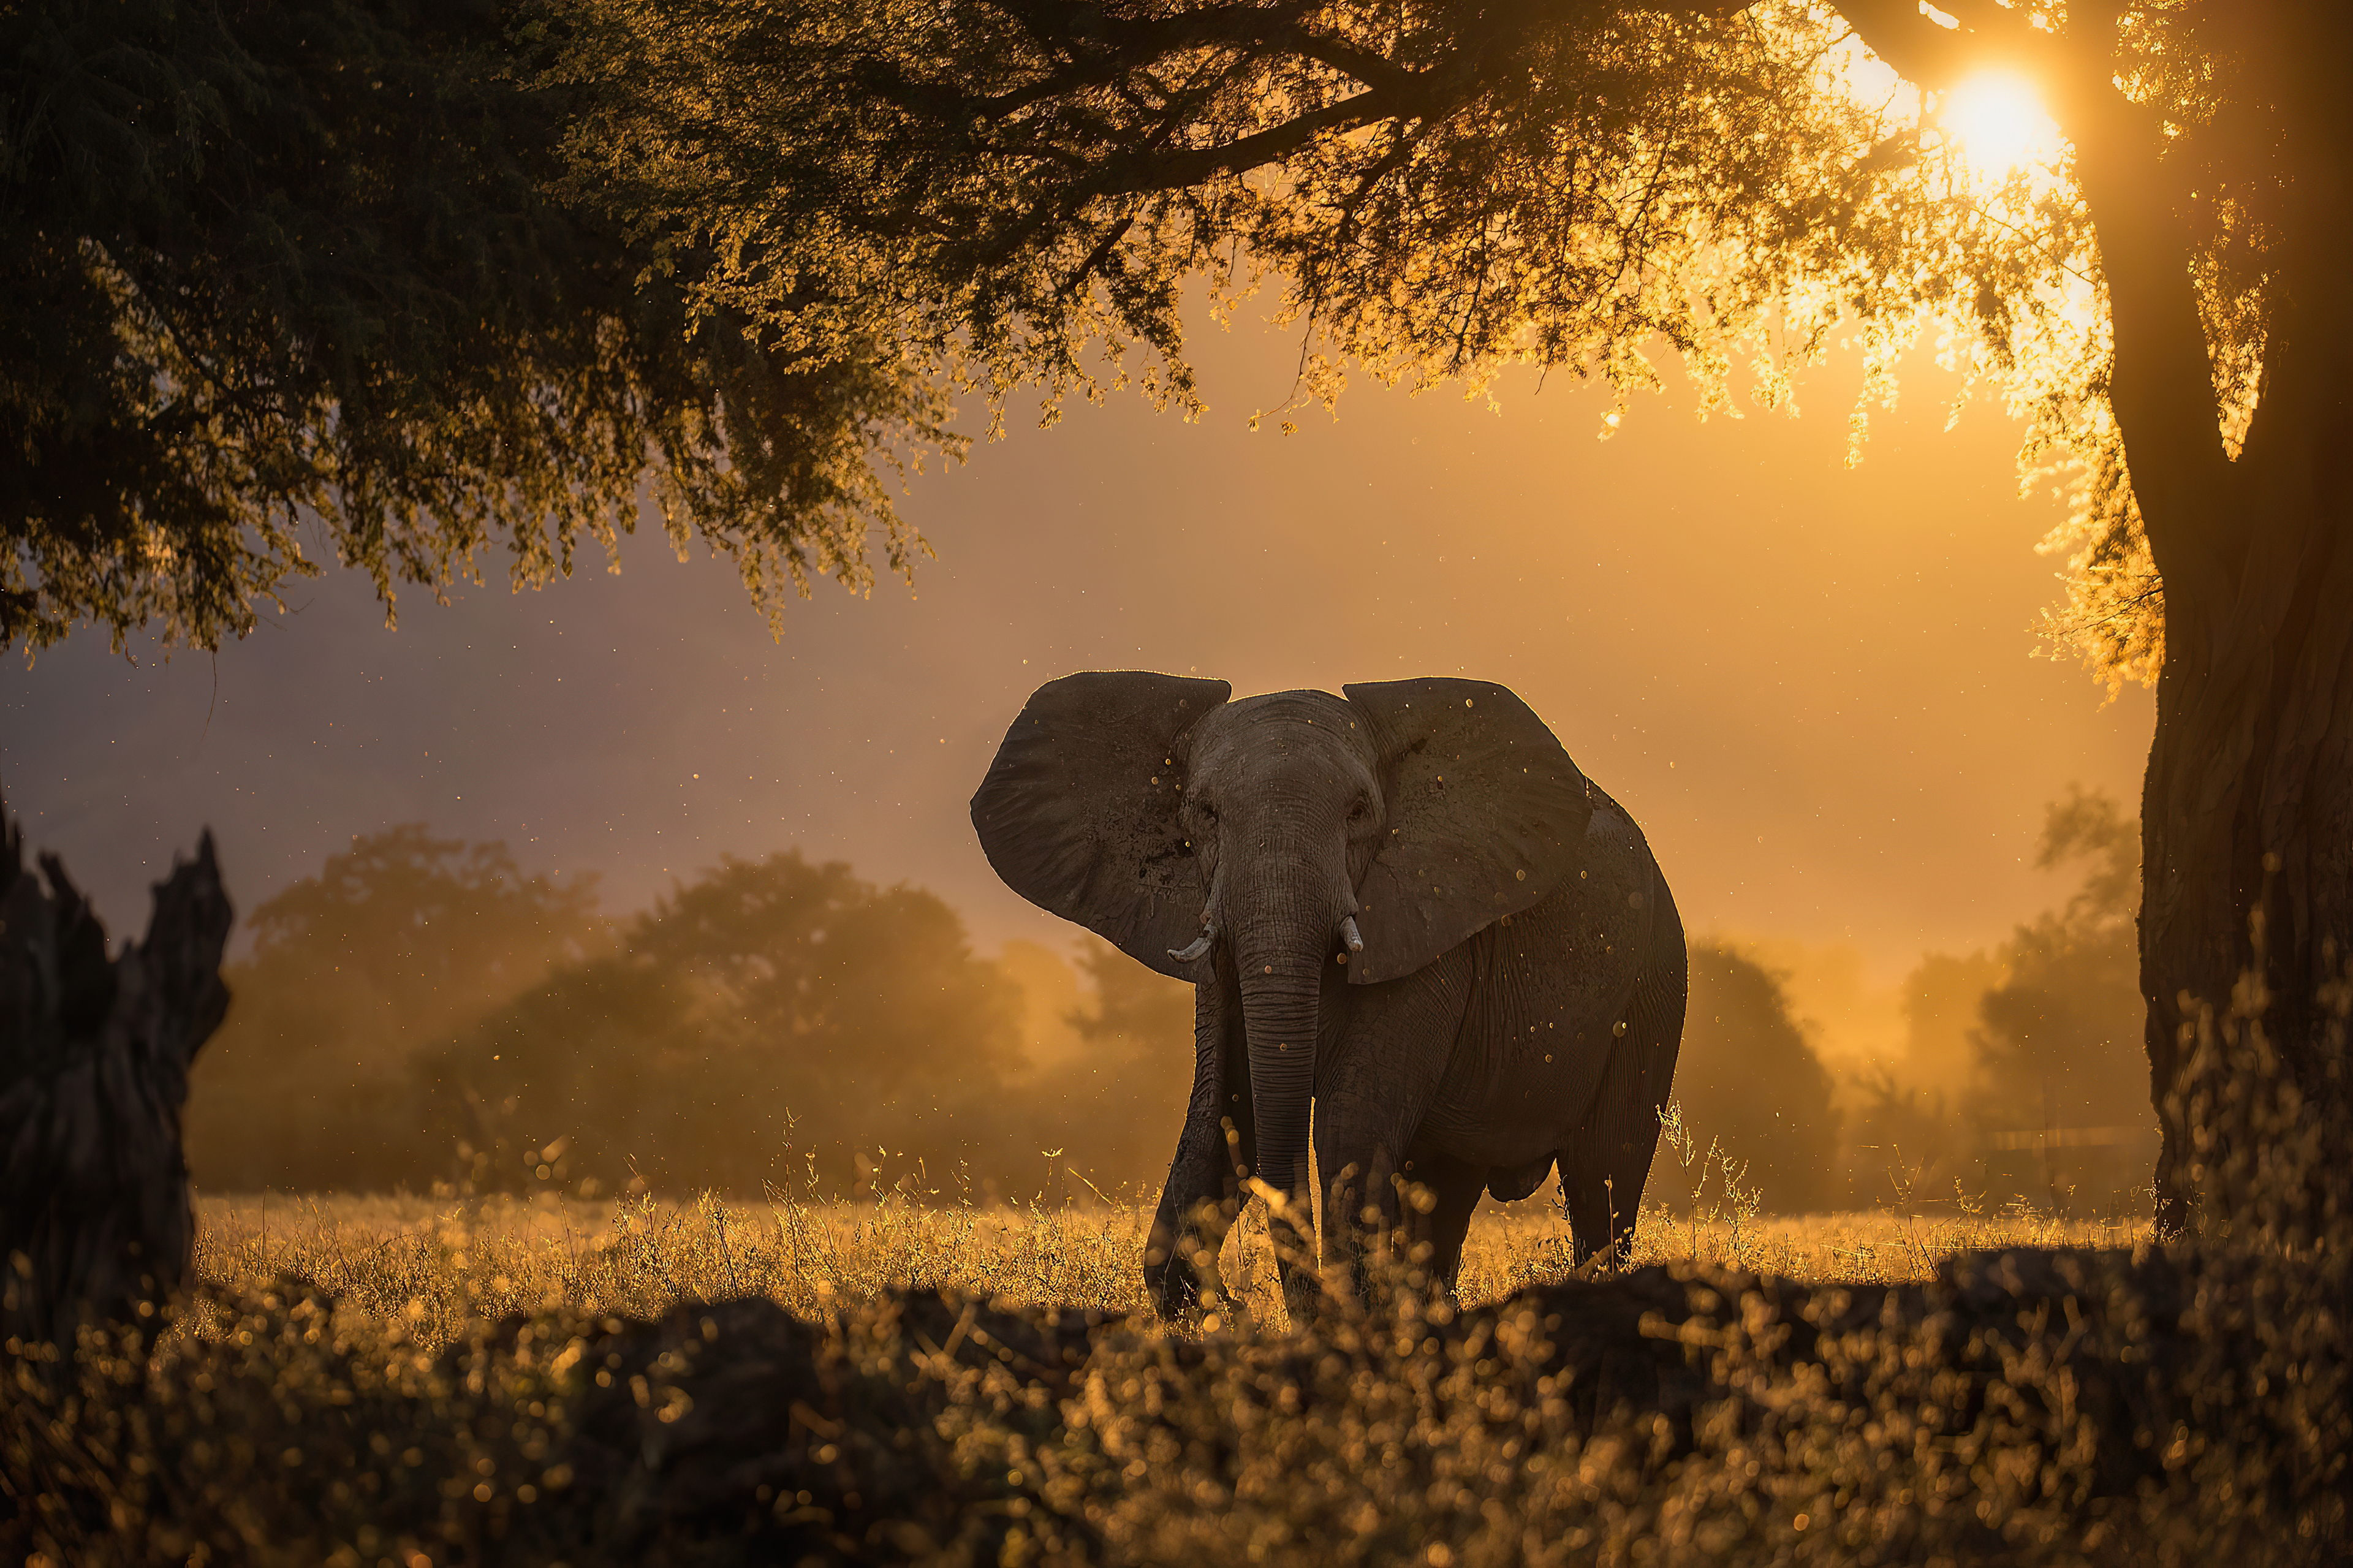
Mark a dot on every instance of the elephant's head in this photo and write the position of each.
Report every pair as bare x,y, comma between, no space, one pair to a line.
1289,831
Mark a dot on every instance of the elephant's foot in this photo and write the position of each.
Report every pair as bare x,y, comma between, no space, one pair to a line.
1605,1248
1186,1285
1304,1296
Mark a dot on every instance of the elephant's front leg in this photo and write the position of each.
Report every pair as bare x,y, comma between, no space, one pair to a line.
1372,1095
1204,1190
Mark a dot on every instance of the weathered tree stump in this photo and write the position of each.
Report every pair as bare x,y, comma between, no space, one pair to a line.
95,1224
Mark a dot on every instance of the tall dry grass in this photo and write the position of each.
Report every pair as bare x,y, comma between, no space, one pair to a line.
430,1265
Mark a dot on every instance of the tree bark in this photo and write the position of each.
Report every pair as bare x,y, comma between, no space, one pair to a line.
95,1224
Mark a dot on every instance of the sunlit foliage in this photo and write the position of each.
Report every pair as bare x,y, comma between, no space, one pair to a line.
284,286
1436,191
1440,190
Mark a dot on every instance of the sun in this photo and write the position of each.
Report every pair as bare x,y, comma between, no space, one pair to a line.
2000,121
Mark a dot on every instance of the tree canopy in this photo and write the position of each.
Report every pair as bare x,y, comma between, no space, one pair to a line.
289,283
468,275
1021,192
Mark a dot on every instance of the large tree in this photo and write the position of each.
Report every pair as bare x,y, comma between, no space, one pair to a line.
1439,187
2209,150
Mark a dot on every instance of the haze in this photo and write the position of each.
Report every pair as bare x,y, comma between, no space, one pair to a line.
1811,686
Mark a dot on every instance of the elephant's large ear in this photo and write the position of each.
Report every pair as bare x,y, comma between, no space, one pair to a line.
1486,814
1080,811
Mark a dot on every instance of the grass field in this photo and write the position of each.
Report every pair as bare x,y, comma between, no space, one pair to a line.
431,1264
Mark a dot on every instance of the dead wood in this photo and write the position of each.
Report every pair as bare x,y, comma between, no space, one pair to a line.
95,1224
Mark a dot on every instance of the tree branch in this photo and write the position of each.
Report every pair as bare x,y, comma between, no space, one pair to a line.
1932,57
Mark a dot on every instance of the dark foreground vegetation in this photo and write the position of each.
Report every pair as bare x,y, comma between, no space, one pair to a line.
2024,1408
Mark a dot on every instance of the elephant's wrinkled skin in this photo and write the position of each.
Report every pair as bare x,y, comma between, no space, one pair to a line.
1517,1000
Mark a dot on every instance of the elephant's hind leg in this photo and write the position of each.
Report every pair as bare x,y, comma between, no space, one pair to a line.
1456,1186
1607,1163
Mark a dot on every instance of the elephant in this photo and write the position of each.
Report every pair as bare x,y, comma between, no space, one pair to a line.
1412,924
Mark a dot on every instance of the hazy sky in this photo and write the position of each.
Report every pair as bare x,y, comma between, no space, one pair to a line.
1812,686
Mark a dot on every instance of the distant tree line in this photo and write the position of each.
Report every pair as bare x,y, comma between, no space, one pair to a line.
2023,1075
423,1011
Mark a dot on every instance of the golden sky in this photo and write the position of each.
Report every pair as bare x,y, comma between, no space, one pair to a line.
1812,686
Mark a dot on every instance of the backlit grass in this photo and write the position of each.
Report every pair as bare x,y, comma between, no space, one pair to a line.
429,1263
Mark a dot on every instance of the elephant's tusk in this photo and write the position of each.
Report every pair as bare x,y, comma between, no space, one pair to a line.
1200,943
1349,934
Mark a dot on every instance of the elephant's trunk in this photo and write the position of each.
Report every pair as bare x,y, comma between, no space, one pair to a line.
1280,953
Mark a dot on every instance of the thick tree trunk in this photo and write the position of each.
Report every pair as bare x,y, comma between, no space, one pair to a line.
2247,811
2247,820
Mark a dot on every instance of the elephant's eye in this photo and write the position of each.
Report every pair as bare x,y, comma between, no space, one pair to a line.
1361,812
